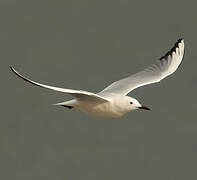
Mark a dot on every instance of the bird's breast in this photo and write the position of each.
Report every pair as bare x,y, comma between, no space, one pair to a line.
107,109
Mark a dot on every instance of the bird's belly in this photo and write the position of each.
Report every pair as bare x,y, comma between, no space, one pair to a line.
104,109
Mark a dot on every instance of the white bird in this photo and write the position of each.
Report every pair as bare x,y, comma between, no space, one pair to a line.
113,100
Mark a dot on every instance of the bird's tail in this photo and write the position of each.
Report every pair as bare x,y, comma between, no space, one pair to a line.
69,104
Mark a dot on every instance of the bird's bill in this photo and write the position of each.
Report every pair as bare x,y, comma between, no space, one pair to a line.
144,107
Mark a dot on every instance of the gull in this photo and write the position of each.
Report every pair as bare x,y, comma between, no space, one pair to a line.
113,100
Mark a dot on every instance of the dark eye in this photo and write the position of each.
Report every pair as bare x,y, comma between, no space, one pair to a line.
131,103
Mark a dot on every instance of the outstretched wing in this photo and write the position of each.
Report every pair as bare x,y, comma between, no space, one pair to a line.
154,73
79,94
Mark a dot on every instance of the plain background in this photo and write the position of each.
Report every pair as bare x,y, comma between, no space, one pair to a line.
87,44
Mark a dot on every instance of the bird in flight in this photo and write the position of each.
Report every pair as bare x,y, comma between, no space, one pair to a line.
113,100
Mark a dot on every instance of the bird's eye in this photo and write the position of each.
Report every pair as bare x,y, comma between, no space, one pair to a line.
131,103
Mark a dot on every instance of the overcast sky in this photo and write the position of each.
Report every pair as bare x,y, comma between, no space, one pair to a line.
87,44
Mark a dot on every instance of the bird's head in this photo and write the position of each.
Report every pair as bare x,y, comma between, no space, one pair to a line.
134,104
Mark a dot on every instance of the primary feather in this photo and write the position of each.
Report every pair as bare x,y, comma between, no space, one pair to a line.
154,73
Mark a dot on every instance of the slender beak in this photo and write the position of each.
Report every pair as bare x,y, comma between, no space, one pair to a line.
144,107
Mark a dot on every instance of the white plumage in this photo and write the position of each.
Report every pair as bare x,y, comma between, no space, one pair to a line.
112,101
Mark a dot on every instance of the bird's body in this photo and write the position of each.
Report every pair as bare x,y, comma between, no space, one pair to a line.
116,106
106,109
113,100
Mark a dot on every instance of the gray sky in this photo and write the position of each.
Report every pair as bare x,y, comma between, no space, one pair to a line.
87,44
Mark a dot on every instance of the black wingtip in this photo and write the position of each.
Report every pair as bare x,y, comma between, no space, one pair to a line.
14,71
11,68
172,49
